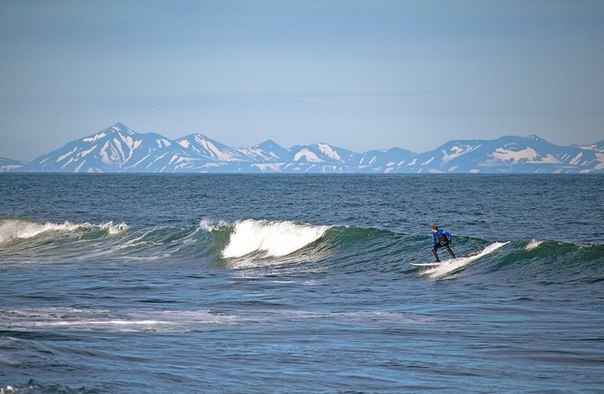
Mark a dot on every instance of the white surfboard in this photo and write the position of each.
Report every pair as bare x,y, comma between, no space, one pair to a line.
426,264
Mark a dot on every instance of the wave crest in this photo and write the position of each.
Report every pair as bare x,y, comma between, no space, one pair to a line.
533,244
271,238
14,229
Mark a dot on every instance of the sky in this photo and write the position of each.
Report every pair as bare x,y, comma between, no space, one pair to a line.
356,74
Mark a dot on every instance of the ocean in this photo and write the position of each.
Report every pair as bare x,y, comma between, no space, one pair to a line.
300,283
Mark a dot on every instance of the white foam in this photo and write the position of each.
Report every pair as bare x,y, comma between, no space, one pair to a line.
11,229
21,229
533,244
210,225
273,238
110,227
450,266
114,321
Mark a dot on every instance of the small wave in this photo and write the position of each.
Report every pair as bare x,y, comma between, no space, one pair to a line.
113,321
448,267
270,238
34,386
111,228
14,229
533,244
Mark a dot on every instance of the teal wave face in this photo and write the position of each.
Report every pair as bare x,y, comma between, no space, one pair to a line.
552,262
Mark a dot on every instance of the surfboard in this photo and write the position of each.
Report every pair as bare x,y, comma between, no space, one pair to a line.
426,264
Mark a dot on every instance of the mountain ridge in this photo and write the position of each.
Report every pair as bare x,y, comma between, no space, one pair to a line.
119,149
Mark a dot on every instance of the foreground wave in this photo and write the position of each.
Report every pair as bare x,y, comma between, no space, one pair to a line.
252,243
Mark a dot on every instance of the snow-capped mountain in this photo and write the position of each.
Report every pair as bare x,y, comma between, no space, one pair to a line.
115,149
9,165
200,146
321,157
598,146
386,161
511,154
120,149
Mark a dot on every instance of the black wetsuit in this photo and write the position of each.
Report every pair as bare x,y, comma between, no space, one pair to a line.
441,238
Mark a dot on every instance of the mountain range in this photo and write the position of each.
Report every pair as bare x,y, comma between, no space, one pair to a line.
118,149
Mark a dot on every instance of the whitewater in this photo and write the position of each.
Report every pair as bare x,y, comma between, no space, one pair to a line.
298,283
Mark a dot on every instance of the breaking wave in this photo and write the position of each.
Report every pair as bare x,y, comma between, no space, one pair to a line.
270,238
533,244
18,229
257,243
451,266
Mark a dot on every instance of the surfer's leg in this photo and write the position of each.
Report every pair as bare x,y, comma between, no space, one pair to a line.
435,253
450,251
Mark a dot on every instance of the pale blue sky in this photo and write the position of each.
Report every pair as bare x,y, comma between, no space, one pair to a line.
356,74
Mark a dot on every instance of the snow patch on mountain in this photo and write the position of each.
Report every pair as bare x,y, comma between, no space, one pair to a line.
308,156
528,155
329,152
95,137
66,155
457,151
268,167
600,159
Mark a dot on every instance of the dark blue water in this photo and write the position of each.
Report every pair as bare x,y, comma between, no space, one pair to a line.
275,283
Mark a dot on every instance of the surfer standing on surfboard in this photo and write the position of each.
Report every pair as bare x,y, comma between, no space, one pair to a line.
440,238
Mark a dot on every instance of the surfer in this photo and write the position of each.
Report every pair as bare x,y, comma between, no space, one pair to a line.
440,238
